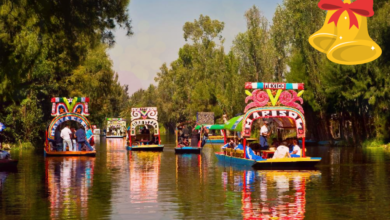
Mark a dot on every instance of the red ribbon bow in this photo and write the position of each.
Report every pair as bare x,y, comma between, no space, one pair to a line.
360,7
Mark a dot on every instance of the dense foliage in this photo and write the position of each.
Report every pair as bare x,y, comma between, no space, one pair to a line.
51,48
346,102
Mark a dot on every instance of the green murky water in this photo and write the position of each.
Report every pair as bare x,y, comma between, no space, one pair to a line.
351,183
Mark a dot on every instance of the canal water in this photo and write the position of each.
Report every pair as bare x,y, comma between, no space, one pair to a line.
350,183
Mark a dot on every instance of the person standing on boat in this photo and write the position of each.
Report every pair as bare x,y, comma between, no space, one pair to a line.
65,134
73,138
264,133
90,136
82,139
58,139
186,133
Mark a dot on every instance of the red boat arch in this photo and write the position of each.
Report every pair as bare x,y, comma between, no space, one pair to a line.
274,112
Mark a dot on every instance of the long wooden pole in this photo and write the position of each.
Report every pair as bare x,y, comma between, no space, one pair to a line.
303,147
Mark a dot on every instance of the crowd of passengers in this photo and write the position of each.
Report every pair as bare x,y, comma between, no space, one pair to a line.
72,139
286,149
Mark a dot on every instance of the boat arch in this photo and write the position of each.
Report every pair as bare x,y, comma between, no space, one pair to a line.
278,112
63,118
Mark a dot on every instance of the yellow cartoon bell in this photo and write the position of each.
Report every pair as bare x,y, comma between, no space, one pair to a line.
325,37
353,44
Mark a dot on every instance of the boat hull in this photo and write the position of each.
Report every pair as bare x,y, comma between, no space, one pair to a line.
188,150
307,163
146,148
69,153
214,141
228,160
6,164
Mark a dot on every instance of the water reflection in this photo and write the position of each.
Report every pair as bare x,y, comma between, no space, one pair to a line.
116,154
269,194
69,180
3,176
144,176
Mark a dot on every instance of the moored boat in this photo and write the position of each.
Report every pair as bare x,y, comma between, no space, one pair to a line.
268,105
147,138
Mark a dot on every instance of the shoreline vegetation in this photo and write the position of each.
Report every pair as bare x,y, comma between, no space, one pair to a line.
66,56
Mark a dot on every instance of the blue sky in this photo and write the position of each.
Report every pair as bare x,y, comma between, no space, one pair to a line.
158,34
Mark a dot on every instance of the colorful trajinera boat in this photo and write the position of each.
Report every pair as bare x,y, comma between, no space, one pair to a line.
276,101
67,110
144,139
194,143
116,128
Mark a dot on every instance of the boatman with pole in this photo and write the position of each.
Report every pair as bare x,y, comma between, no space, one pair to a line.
264,133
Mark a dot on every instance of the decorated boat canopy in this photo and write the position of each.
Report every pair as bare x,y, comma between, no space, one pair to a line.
62,105
277,101
63,118
211,127
235,124
144,116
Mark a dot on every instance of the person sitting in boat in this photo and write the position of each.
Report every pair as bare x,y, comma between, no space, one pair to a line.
230,144
296,152
184,143
250,154
239,145
82,139
264,133
282,151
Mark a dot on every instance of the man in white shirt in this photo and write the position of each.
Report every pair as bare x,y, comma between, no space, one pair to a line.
282,151
264,133
65,134
297,152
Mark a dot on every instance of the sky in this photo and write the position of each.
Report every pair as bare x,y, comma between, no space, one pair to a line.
158,33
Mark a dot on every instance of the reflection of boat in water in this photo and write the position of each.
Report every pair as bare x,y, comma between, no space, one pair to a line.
116,155
144,176
282,194
69,180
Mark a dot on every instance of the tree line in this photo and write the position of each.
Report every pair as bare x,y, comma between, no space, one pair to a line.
341,102
57,49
